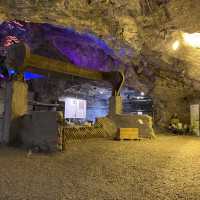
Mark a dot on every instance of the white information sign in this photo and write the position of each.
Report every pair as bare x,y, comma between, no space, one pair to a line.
75,108
194,115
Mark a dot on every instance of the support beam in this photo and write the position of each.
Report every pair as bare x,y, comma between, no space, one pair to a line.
20,57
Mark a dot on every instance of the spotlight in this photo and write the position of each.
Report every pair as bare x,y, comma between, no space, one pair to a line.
142,93
176,45
192,39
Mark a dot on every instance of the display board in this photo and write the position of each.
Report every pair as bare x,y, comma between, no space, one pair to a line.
75,108
194,116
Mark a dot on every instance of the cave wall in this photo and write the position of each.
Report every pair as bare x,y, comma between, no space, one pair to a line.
140,32
170,98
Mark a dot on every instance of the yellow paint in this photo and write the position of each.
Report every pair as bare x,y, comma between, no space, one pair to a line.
128,133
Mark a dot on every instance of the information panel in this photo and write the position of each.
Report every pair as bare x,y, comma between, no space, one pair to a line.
194,115
75,108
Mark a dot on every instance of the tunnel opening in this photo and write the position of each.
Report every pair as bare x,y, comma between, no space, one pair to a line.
81,49
52,92
68,62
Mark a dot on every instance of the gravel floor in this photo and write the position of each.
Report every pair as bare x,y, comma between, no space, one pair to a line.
97,169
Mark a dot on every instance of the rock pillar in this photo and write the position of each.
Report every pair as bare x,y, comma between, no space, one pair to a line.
115,107
16,105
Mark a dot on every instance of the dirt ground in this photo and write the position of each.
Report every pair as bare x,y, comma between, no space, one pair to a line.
98,169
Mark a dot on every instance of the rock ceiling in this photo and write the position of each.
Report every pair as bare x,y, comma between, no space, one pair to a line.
140,33
129,27
82,49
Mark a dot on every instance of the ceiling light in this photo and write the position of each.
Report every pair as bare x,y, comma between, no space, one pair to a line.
192,39
176,45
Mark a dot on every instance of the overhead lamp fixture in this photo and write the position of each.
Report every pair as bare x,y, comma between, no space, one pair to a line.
192,39
176,45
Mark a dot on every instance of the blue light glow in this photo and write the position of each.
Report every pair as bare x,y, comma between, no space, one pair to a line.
27,75
84,49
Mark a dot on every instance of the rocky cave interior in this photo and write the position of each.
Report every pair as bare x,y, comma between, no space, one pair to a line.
152,41
156,43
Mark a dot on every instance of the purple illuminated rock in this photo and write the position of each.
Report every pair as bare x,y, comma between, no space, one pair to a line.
82,49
